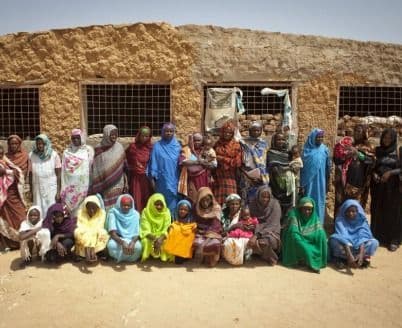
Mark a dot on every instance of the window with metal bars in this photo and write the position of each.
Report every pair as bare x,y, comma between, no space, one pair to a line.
253,101
370,101
19,112
128,106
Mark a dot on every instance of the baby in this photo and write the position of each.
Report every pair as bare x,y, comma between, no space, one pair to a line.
246,221
208,155
296,164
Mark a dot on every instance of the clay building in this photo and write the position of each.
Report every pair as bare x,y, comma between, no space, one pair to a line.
138,74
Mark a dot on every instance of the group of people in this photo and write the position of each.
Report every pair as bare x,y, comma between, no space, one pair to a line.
201,200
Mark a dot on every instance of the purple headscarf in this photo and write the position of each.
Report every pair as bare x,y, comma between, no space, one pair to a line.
67,226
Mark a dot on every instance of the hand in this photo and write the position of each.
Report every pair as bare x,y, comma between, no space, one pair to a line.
252,242
385,177
61,250
125,247
249,227
150,237
55,240
29,196
131,247
158,243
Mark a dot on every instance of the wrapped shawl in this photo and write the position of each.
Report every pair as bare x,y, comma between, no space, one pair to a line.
352,232
66,227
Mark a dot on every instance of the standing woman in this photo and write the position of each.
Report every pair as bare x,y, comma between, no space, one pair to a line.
229,157
194,173
386,197
13,211
254,150
75,171
138,154
164,166
45,173
314,178
266,241
304,240
354,160
280,172
208,238
108,169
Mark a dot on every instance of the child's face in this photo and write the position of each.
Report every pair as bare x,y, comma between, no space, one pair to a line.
34,216
126,206
159,206
295,153
351,213
183,211
58,217
207,144
245,213
206,202
234,206
92,208
197,141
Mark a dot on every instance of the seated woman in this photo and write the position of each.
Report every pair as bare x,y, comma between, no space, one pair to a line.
61,226
238,232
181,234
123,224
266,241
304,240
154,224
352,240
90,236
207,243
32,236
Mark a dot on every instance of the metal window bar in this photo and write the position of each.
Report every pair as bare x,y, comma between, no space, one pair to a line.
370,101
128,106
19,112
253,101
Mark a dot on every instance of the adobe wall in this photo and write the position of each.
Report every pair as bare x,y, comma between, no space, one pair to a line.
61,59
317,66
187,56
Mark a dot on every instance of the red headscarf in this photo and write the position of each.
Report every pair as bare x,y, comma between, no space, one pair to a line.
342,148
20,157
138,154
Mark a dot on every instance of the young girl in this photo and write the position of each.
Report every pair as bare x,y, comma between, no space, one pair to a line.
32,236
296,164
181,235
154,224
352,241
244,227
61,226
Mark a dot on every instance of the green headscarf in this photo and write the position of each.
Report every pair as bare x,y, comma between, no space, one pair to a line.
152,221
304,240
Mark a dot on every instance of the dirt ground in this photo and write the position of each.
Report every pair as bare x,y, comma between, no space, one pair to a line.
167,295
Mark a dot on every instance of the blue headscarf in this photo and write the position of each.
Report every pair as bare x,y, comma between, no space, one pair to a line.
189,217
47,152
127,225
352,232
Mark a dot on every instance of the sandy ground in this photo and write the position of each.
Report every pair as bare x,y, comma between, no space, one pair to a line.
167,295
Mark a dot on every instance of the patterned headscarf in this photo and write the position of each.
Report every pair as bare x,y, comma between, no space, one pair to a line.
47,152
